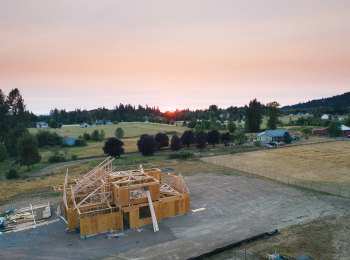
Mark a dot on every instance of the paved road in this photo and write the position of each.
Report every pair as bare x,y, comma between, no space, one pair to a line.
104,157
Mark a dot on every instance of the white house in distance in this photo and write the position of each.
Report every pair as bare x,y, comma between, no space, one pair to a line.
41,125
225,114
271,135
341,118
325,117
84,125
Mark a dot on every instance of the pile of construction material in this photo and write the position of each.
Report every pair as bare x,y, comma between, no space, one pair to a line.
26,218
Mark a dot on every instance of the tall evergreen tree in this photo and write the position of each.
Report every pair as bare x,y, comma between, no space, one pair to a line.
27,148
273,112
253,116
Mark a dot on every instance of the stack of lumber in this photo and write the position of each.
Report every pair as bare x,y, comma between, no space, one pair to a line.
25,218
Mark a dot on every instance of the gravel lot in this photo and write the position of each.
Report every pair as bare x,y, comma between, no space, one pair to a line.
237,207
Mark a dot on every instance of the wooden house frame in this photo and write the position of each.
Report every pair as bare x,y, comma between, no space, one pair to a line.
104,199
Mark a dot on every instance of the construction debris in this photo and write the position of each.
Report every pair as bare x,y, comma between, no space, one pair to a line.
102,199
25,218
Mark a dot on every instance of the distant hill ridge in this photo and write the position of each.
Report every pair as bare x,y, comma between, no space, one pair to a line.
340,100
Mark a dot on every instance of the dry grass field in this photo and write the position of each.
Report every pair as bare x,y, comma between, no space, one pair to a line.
327,163
130,130
94,149
39,183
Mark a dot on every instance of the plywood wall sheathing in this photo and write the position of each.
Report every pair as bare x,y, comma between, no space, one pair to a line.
100,221
72,218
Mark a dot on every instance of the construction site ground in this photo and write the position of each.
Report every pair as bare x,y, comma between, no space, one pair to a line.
237,206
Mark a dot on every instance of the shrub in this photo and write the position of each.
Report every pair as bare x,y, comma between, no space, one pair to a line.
86,137
65,145
287,138
113,147
180,155
172,122
258,143
95,136
241,138
3,153
115,122
80,137
176,143
172,133
80,143
45,137
11,174
74,156
102,135
147,145
56,158
119,133
162,139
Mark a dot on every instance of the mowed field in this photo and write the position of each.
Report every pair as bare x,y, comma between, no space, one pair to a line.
94,149
326,163
130,130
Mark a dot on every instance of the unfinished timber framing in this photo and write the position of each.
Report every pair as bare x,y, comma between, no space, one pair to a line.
103,199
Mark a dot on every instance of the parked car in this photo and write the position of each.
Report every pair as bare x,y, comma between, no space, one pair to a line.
268,146
273,143
282,143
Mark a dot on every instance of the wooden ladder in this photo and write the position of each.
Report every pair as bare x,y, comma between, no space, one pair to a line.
154,219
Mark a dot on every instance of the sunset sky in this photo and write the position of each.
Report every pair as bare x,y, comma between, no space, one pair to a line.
89,54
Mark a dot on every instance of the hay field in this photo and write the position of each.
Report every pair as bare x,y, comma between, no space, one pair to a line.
94,149
130,130
327,163
41,183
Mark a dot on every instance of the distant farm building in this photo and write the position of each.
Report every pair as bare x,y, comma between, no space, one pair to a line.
99,122
227,115
69,140
41,124
325,117
271,135
109,122
84,125
345,129
341,118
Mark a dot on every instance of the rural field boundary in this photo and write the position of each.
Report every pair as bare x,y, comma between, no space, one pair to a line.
315,185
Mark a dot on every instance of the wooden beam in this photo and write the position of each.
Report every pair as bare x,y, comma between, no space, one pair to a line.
88,196
154,218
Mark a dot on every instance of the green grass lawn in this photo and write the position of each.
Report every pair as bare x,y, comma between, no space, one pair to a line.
130,130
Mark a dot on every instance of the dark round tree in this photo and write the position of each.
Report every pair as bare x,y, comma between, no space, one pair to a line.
162,139
201,140
187,138
113,147
147,144
176,143
226,136
213,137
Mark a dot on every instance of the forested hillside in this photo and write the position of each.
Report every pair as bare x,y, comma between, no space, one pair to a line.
338,100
